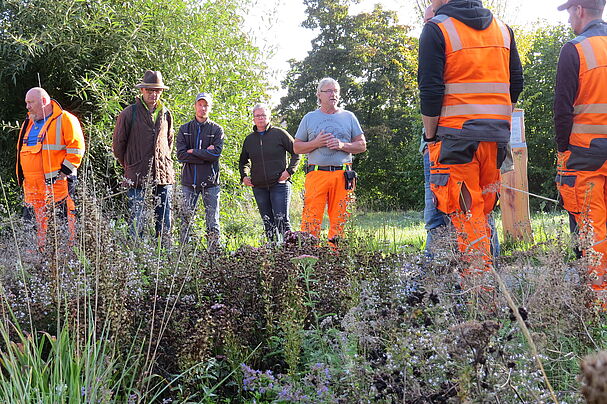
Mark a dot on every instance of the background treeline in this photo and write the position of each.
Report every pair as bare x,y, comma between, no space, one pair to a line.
89,54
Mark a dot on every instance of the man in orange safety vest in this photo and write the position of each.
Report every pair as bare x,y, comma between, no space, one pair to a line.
49,151
469,78
580,120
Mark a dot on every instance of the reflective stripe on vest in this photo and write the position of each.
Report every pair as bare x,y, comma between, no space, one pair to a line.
456,42
590,104
591,129
476,77
465,88
58,129
56,147
476,109
590,109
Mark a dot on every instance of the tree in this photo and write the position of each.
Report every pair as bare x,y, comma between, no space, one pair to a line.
89,54
375,62
537,100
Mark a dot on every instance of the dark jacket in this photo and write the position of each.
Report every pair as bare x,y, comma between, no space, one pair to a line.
200,168
264,157
144,147
432,54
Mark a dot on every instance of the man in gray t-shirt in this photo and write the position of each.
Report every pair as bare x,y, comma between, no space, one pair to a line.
329,136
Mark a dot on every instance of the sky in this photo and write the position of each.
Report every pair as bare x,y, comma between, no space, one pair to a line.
275,26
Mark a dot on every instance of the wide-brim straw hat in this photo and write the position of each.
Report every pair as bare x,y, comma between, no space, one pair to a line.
152,79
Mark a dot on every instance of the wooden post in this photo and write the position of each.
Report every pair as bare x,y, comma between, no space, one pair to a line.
515,204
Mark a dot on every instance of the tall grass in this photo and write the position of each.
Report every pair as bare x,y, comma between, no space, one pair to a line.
113,319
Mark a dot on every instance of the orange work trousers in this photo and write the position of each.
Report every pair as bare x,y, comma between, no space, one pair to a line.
465,180
325,188
584,195
46,199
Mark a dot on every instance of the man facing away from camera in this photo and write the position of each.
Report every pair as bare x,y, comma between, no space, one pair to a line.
329,136
469,76
580,120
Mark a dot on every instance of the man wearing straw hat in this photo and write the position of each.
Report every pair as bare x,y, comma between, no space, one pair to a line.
143,143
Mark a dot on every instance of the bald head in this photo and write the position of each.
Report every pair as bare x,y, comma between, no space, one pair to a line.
38,103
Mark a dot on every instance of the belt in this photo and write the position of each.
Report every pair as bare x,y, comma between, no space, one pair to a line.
344,167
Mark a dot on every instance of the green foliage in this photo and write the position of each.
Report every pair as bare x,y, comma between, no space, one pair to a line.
90,54
374,60
537,100
62,369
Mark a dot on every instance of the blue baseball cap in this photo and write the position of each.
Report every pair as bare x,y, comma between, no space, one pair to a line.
204,96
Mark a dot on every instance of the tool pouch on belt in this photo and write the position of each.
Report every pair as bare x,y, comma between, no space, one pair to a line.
565,183
350,176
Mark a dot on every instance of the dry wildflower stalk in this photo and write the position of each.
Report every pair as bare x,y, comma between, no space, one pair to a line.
525,330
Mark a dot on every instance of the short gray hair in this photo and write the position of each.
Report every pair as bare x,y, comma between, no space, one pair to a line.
261,105
324,82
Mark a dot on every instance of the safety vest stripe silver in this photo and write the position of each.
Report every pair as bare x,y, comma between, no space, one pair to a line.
477,88
591,129
590,109
476,109
588,54
72,150
58,129
69,164
53,147
505,34
456,42
51,174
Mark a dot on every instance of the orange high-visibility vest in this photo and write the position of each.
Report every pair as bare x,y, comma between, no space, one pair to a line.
590,105
60,143
477,80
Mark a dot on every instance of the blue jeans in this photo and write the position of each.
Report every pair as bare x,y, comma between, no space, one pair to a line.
162,209
210,200
435,219
432,216
273,205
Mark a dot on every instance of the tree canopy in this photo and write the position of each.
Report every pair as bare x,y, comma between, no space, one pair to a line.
90,54
374,59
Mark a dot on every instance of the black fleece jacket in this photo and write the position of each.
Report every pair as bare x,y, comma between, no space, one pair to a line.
431,62
265,156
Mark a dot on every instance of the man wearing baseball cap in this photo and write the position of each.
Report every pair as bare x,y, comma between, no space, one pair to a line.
199,146
580,120
143,144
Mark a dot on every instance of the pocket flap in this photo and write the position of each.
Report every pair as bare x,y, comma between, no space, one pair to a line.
568,180
439,179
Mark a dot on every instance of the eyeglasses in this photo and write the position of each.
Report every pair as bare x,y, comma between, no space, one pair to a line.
332,90
259,116
153,90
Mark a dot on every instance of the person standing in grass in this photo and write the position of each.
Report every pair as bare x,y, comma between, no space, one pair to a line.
580,120
435,221
329,136
143,144
469,77
50,149
433,218
199,146
263,166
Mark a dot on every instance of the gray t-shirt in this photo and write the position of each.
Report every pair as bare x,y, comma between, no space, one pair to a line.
342,124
